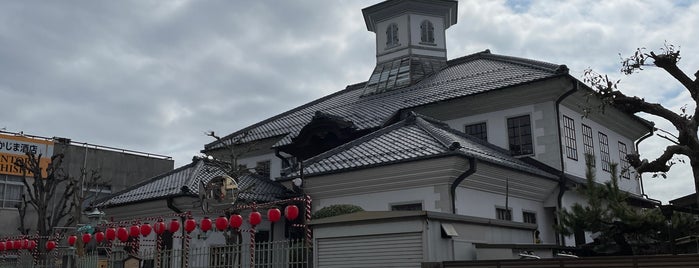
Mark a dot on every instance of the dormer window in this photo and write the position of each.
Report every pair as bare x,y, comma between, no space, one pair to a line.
426,32
392,36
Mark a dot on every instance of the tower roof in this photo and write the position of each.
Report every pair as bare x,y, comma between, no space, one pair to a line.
387,9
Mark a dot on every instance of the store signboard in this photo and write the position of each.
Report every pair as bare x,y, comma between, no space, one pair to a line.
15,147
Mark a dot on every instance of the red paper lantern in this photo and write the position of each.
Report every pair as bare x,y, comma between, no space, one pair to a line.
32,245
159,227
174,226
99,236
72,239
111,234
205,224
135,230
146,229
291,212
50,245
221,223
17,244
274,214
255,218
2,245
25,243
189,225
86,238
8,245
122,234
236,220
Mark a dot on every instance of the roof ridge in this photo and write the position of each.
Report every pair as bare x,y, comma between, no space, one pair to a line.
541,65
469,57
429,128
347,88
559,68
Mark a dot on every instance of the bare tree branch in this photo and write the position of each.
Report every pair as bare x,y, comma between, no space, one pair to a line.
687,139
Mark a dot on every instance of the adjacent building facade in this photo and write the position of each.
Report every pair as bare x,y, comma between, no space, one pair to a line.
118,169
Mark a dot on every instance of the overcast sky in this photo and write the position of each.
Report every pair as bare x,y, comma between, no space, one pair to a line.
155,75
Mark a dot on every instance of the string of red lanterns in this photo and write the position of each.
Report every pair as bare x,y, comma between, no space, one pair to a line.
291,212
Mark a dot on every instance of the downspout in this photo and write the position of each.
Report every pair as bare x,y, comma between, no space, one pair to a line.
562,177
471,169
640,179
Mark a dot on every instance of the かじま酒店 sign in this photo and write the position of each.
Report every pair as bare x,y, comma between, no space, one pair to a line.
16,147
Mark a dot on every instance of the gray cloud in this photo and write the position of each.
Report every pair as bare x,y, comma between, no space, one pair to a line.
155,75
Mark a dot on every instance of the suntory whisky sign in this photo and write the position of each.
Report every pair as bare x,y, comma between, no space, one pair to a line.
16,147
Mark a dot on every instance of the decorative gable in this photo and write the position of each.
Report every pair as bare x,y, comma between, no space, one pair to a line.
324,132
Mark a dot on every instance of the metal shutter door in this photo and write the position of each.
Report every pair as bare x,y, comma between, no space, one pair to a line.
393,250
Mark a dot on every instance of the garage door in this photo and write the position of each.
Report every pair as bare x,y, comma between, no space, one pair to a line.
394,250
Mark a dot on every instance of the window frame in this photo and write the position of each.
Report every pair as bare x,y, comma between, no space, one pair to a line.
569,137
589,143
532,214
499,212
4,182
427,35
397,206
482,135
392,36
519,136
604,151
624,172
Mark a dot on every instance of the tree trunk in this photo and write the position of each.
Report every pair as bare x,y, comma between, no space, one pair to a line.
694,162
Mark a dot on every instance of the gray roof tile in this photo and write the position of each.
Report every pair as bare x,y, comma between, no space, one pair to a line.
185,181
464,76
415,137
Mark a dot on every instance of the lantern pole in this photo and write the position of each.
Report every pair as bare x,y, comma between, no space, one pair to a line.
309,235
252,239
185,241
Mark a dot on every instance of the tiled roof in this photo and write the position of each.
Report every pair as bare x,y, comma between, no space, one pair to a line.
185,181
416,137
463,76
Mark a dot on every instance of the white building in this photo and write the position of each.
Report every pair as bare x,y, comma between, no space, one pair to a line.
533,109
486,146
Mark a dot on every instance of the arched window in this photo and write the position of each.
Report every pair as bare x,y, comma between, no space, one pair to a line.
392,35
426,32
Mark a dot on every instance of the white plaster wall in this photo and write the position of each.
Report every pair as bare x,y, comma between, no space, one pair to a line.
569,199
477,203
382,201
496,123
275,163
577,168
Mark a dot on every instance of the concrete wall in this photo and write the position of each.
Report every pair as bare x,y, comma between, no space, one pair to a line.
119,169
470,231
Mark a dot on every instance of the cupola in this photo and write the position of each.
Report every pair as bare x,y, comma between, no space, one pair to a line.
410,41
